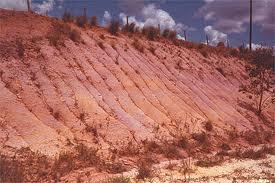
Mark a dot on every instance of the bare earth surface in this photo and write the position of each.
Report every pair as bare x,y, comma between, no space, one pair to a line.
55,97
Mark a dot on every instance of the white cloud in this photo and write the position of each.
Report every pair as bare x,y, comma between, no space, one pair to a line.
215,36
232,16
13,4
254,46
45,6
153,16
41,7
131,19
106,18
180,37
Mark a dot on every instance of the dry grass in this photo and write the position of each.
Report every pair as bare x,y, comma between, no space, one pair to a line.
101,36
144,169
113,27
81,21
118,180
25,166
151,32
225,147
94,21
170,151
152,147
129,149
11,170
101,45
169,34
64,164
57,115
74,35
138,46
253,154
203,52
208,126
67,17
60,32
28,166
91,129
200,137
210,162
82,116
130,28
20,48
152,50
220,70
183,142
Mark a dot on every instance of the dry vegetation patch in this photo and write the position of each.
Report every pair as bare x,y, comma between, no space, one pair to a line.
113,27
60,32
137,45
151,32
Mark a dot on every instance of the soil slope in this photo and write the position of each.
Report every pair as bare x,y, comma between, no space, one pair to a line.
103,91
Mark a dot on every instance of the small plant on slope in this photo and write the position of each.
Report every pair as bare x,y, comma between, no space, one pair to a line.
60,31
138,46
10,170
94,21
20,48
113,27
130,28
118,180
67,17
150,32
260,72
81,21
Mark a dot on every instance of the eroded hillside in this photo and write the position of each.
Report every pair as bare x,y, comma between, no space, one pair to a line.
106,92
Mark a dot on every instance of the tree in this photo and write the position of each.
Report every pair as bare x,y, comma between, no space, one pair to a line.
260,72
29,5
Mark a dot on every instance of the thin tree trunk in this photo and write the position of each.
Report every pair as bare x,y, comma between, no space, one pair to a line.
29,5
185,37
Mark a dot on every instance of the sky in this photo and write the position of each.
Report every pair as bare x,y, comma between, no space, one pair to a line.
221,20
